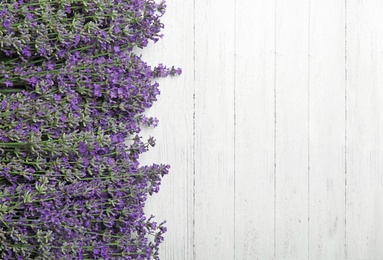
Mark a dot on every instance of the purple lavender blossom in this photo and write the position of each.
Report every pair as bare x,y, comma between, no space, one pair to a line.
8,83
78,92
3,104
7,24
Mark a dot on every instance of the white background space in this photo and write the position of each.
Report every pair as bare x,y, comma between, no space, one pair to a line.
274,132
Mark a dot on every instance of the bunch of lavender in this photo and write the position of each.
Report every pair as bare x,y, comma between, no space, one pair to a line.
72,92
30,29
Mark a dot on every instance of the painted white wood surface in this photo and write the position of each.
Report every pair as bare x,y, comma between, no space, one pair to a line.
364,190
291,173
327,130
214,129
274,131
174,134
254,141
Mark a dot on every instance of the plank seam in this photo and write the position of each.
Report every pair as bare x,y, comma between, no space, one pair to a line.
345,132
275,127
235,120
194,138
308,129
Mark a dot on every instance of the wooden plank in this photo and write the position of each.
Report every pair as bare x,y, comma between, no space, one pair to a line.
214,129
254,149
292,34
327,130
364,208
174,133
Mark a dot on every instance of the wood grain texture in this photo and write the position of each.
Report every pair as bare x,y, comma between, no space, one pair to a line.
327,130
292,34
214,129
254,152
174,134
364,130
274,132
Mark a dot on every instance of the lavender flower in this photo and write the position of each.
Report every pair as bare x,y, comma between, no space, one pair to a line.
72,91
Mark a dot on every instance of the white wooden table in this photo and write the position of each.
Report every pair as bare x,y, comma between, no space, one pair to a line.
274,132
